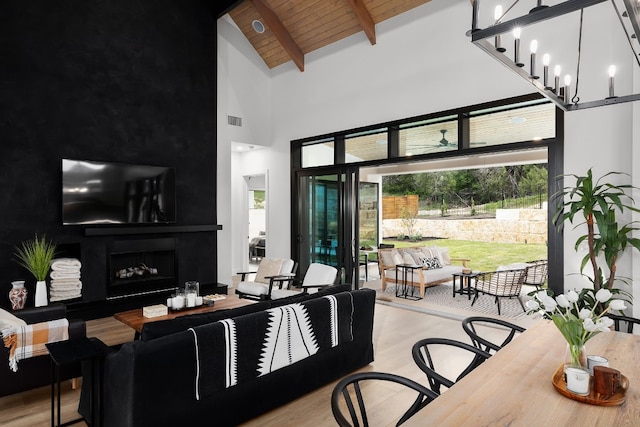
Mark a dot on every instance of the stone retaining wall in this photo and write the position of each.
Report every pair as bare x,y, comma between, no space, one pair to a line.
509,226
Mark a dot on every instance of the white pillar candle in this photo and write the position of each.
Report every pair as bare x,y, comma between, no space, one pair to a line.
593,360
169,302
178,302
191,299
577,380
198,300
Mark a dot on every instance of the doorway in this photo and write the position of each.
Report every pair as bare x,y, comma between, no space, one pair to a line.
256,197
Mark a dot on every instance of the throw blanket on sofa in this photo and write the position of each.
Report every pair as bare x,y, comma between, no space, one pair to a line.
234,350
28,341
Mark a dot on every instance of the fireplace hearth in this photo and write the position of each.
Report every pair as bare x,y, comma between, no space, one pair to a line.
138,267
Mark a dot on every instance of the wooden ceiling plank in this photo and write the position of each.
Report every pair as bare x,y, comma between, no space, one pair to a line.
365,20
280,32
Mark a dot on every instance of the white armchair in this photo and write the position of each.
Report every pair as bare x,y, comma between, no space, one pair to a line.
317,276
269,269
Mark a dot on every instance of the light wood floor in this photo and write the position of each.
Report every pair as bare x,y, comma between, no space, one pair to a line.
395,331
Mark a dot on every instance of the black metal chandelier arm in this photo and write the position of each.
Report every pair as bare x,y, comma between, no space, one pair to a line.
626,32
576,98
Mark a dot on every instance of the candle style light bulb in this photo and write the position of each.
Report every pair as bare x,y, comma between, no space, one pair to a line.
545,62
567,88
533,47
612,74
516,35
556,72
497,14
517,32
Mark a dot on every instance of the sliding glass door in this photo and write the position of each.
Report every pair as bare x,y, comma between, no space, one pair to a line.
325,220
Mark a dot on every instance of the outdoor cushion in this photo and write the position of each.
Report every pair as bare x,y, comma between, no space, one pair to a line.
387,257
431,263
398,258
407,258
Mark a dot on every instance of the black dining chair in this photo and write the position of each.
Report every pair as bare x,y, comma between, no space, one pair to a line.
475,327
361,383
619,322
423,354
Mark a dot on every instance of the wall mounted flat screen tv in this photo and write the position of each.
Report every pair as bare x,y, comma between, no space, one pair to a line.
117,193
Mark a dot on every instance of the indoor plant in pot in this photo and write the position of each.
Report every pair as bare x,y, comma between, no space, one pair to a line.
599,202
36,255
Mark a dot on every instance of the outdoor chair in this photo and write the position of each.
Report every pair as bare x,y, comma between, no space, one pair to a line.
500,284
360,384
317,276
425,350
619,321
476,326
269,269
536,274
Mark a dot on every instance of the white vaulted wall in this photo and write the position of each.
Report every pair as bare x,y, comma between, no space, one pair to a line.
422,63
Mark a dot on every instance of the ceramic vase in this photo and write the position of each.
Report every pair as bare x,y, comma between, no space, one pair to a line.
17,295
41,293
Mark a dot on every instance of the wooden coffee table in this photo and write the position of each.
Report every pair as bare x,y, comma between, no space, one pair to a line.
134,318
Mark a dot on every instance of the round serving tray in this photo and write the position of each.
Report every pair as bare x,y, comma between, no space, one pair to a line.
592,398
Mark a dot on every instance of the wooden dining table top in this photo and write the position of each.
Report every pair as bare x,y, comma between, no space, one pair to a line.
514,388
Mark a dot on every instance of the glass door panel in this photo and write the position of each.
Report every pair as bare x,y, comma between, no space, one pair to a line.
325,221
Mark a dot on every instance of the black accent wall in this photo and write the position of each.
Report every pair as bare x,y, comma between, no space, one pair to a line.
129,81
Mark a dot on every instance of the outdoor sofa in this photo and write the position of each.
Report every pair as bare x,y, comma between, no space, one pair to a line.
430,274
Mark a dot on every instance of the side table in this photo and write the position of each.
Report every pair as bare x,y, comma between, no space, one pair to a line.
405,271
464,280
65,353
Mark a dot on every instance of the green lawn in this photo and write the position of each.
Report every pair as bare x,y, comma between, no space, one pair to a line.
484,256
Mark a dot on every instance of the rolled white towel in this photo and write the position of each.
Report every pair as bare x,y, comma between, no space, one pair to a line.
64,274
55,298
68,281
67,287
66,264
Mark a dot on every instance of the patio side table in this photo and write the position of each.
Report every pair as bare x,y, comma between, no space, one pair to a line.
464,284
406,268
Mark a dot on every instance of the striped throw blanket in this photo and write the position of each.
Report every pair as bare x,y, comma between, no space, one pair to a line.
240,349
28,341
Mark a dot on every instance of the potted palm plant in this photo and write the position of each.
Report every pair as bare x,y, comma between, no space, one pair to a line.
598,202
36,255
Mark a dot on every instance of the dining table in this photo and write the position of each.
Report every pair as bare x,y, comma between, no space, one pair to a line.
514,387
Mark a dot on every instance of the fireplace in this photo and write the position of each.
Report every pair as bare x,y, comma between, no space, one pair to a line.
139,267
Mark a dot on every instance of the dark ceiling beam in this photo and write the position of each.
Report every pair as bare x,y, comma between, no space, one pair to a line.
280,32
364,18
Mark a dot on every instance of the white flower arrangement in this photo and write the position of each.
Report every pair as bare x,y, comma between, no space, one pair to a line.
578,317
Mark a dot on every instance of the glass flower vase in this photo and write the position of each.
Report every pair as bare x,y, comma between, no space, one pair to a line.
576,356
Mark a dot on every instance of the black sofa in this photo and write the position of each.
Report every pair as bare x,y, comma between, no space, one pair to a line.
36,371
150,382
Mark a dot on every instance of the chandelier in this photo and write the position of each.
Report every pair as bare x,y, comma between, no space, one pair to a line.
577,48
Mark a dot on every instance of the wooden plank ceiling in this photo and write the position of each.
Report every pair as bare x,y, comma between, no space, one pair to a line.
293,28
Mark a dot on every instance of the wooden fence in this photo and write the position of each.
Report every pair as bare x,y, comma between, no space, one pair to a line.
392,206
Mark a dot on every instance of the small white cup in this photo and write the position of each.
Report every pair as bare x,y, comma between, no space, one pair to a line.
595,360
198,301
577,380
169,302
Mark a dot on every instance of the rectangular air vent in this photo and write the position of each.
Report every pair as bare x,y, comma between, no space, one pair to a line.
234,121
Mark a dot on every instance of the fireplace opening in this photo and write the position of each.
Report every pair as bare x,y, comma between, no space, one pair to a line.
138,267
